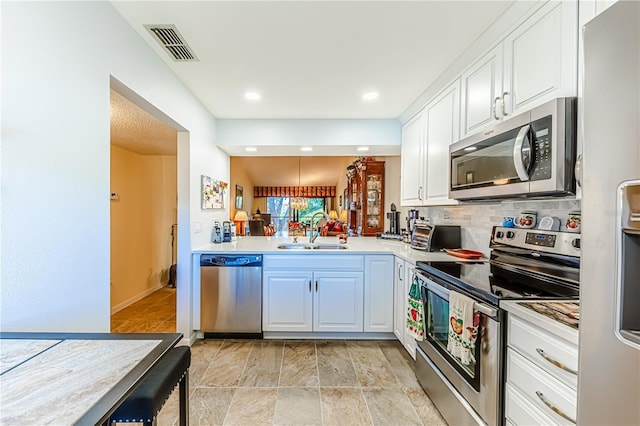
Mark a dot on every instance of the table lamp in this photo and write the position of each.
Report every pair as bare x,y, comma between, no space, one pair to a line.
343,216
239,219
333,215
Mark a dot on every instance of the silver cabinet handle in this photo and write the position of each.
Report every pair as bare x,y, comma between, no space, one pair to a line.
522,153
420,193
493,110
555,409
577,170
555,362
316,286
504,112
400,272
309,285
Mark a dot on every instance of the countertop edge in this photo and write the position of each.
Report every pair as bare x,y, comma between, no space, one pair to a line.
513,307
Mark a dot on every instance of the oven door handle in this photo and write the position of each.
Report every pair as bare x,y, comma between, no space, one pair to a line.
444,293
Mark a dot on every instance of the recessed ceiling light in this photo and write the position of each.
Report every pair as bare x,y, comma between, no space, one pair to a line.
370,96
363,148
251,149
471,148
306,149
252,96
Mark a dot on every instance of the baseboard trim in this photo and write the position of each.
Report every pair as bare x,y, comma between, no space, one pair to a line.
134,299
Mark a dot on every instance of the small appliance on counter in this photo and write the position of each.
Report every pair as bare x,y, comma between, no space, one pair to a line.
412,216
394,220
430,237
226,231
216,233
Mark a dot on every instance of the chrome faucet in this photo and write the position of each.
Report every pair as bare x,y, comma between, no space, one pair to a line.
312,237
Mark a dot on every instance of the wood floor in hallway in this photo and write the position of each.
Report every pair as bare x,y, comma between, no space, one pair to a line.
155,313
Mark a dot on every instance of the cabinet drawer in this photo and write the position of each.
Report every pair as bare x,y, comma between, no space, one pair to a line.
536,384
315,262
543,347
521,412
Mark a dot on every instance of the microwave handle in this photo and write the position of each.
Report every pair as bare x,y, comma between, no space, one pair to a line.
522,153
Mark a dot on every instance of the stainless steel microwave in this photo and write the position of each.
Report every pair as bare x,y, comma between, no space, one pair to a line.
530,155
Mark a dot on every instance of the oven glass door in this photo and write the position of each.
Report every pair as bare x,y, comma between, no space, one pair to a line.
436,308
487,163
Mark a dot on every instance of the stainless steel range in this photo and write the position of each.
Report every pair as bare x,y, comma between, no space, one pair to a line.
524,264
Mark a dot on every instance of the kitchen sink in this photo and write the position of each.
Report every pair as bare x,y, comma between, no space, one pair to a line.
296,246
330,246
311,246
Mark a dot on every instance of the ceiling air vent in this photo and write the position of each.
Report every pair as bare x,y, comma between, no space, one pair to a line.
170,38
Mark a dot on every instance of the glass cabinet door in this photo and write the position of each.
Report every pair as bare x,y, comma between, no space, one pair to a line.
373,198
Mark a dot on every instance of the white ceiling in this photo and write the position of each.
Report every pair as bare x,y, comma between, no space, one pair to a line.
136,130
314,59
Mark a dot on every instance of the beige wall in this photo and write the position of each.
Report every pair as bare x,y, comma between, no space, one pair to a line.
141,223
238,176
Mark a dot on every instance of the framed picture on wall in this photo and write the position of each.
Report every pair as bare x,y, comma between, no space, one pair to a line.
239,192
212,192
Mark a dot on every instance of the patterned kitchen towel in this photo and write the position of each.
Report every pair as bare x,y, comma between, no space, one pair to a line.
415,311
463,327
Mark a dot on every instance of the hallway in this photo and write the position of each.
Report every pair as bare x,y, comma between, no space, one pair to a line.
156,313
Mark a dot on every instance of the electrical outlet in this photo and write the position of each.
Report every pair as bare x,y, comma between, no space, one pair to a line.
197,227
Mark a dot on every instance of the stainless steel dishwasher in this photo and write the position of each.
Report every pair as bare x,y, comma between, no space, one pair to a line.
231,294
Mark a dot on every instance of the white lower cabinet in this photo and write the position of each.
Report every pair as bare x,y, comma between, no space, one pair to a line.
378,293
541,375
305,293
404,273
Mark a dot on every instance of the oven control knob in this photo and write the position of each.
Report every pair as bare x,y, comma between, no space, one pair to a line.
576,243
499,234
510,234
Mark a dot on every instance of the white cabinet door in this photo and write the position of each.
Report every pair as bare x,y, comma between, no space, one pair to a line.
412,158
338,301
287,301
541,59
443,120
378,293
481,90
399,301
408,340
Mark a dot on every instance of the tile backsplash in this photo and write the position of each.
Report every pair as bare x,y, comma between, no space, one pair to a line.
477,219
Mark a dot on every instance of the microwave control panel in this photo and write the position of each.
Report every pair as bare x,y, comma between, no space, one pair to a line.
541,152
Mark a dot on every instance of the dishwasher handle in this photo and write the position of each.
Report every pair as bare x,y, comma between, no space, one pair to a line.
235,260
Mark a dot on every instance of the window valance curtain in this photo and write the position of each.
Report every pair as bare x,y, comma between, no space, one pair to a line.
294,191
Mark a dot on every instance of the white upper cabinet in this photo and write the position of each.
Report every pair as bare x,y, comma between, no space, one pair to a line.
534,63
425,150
413,164
443,119
541,58
481,91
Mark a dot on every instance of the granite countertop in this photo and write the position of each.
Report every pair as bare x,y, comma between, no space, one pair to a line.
546,314
355,245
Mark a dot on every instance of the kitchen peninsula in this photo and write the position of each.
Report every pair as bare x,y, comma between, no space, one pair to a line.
329,290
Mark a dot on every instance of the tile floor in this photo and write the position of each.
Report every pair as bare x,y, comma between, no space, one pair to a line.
288,382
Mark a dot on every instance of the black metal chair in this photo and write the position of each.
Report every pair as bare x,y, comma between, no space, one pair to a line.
144,404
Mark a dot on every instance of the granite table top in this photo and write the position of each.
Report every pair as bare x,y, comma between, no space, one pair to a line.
73,378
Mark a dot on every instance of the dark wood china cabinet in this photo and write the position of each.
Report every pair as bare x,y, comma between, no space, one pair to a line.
365,187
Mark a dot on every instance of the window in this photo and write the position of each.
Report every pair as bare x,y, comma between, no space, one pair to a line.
280,212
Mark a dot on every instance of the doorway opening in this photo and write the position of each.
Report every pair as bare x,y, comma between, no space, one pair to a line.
143,216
